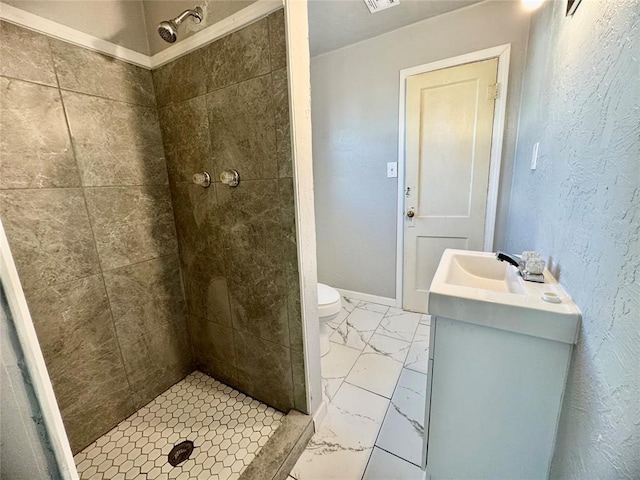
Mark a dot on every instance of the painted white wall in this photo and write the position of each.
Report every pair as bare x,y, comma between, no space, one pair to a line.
118,21
581,210
354,93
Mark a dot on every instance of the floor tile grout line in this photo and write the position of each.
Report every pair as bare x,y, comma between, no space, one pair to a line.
375,332
395,387
392,338
356,361
379,425
371,391
413,339
394,392
400,458
392,395
389,400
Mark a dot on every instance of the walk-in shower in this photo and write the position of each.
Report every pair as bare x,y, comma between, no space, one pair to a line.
168,29
168,315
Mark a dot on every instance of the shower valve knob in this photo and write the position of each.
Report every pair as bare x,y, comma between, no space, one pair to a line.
230,177
202,178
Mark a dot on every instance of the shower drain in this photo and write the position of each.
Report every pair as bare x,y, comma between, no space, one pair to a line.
181,452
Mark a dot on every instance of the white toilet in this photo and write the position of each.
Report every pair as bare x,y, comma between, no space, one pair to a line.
329,306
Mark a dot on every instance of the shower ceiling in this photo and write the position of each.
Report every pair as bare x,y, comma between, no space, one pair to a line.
156,11
129,23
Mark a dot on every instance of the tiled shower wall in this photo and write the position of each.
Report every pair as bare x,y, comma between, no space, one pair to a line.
225,106
85,203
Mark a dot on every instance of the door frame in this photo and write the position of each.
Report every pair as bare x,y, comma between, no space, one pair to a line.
502,53
34,362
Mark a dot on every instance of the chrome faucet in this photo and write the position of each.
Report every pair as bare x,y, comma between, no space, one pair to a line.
519,263
509,258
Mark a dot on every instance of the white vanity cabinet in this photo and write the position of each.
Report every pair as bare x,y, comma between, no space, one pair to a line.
498,364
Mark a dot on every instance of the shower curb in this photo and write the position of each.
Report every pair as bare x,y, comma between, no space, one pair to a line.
281,452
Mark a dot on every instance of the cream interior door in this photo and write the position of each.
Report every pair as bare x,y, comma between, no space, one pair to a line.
449,125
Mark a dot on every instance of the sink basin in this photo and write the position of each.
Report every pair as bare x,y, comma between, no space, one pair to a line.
475,287
483,272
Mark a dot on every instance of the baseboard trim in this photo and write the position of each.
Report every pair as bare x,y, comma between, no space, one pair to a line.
238,20
320,413
389,302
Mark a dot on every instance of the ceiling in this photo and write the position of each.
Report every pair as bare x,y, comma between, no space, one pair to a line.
132,23
337,23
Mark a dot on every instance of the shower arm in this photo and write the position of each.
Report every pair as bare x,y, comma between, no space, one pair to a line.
195,13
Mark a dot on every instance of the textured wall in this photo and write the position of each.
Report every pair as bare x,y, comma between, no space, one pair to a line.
86,207
226,106
354,94
581,209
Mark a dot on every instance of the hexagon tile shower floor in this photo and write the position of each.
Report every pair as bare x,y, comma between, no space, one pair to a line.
226,427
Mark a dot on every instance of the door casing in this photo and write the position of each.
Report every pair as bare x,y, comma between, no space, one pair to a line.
502,53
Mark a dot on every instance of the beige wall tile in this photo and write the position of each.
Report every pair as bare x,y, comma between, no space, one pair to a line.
289,249
146,297
214,349
115,143
242,128
93,395
282,123
35,148
299,380
131,224
198,222
185,132
85,71
73,318
264,369
277,40
259,304
242,55
49,235
251,229
25,55
207,291
157,360
182,79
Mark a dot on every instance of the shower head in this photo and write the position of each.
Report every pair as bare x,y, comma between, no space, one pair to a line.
168,29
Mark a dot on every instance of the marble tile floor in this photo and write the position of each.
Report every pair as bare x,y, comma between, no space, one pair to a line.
227,428
374,380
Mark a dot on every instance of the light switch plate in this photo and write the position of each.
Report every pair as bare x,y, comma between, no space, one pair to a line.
392,169
377,5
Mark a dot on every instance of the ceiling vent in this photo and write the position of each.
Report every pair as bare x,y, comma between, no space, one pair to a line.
378,5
